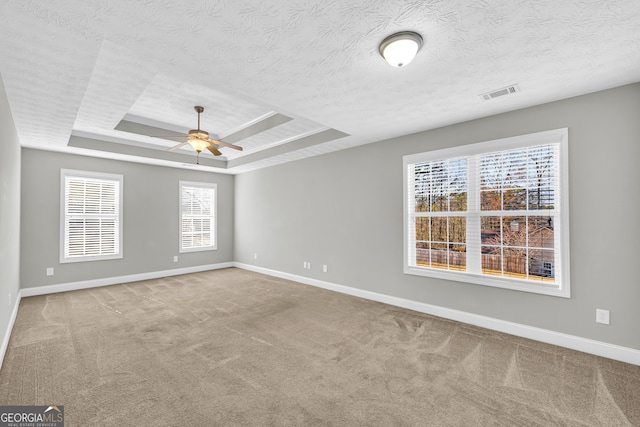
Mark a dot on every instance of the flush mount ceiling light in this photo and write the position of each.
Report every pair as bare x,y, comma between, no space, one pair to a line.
400,48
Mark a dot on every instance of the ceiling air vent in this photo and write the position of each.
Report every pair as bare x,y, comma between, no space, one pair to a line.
500,92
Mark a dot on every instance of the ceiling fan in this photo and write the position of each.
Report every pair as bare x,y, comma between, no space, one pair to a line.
199,140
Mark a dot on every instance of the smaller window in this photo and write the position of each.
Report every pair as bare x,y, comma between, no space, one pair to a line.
197,216
91,216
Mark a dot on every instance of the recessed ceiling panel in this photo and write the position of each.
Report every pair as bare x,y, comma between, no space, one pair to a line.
142,151
119,78
259,125
283,134
171,100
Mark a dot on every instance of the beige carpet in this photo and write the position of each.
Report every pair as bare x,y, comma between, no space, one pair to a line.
232,347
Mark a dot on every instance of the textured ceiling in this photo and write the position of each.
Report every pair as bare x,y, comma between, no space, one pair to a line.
74,69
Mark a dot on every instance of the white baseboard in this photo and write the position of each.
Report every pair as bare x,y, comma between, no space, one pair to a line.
598,348
7,333
94,283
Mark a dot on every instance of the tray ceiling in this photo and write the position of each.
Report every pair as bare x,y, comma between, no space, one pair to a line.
292,79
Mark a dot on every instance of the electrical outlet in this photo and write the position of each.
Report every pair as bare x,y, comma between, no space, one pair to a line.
602,316
255,255
175,258
324,268
49,271
308,265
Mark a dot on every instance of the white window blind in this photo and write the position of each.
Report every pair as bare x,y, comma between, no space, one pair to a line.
92,223
493,213
197,216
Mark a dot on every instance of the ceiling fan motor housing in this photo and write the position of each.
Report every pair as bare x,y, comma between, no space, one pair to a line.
199,134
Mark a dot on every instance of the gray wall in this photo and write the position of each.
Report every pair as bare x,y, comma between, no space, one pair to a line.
150,219
344,209
9,213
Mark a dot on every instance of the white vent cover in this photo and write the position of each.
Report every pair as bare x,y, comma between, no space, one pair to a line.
500,92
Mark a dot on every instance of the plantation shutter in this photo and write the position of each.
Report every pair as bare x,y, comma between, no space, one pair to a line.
197,224
91,217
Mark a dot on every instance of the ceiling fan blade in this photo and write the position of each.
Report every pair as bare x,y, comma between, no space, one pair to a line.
175,147
214,150
168,136
225,144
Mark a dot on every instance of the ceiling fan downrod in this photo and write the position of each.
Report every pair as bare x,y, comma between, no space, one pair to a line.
199,110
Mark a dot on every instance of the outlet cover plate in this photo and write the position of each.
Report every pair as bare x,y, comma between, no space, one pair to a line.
602,316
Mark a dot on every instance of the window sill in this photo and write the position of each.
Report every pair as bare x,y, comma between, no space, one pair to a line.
90,258
496,282
202,249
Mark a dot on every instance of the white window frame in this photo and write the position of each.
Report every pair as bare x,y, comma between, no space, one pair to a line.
213,216
64,216
561,287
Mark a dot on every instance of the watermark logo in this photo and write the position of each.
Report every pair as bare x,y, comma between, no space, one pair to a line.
32,416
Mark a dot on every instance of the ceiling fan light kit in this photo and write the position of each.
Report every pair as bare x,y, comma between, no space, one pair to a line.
198,144
399,49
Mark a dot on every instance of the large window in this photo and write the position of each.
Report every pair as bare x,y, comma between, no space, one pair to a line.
197,216
493,213
91,216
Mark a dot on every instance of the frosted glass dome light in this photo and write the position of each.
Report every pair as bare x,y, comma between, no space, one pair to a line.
399,49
